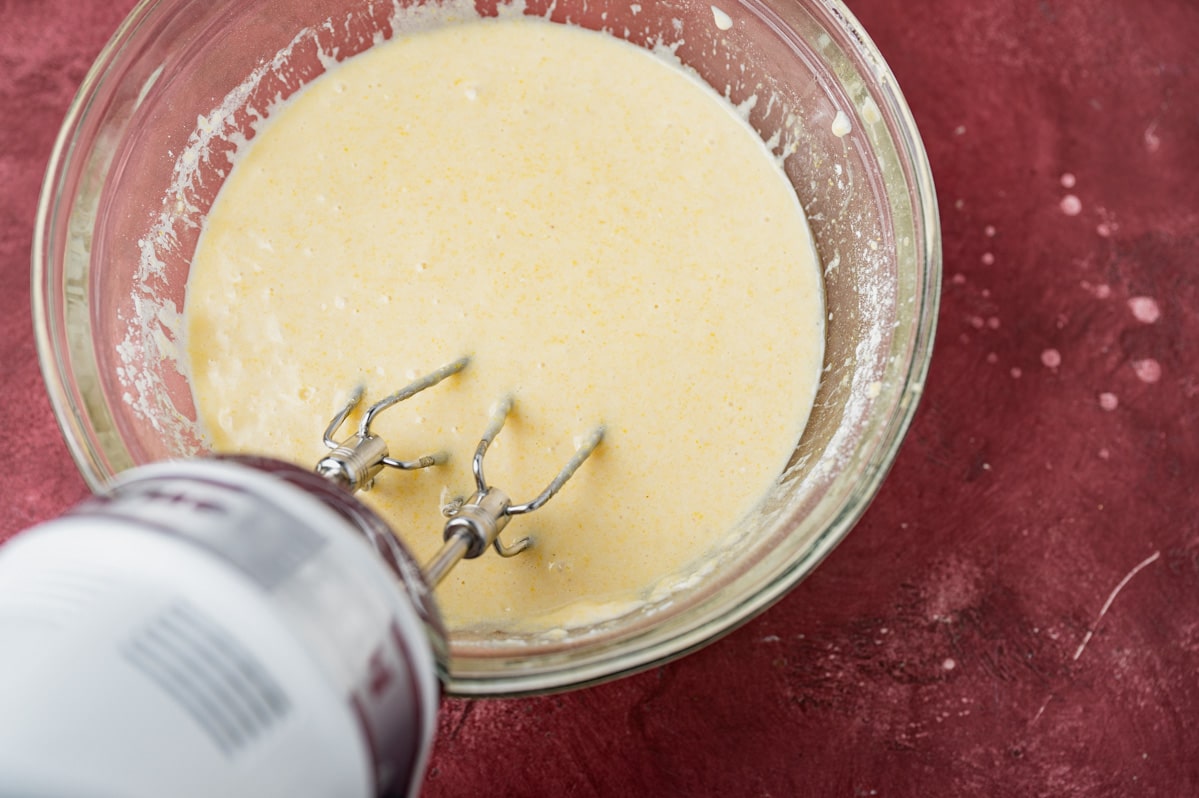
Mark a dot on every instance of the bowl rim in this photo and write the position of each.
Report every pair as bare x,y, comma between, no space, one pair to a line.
71,414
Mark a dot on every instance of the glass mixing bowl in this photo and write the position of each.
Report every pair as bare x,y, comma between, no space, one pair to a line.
143,152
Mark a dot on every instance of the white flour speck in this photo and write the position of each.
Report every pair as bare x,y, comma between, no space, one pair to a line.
723,20
1051,358
1071,205
841,125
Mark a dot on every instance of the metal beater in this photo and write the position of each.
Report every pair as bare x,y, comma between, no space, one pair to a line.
475,522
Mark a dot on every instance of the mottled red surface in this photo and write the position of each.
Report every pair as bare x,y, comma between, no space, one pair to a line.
940,650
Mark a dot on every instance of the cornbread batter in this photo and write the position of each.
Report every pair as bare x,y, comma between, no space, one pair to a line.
596,228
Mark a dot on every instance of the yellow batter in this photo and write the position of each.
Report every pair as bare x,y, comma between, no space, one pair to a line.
596,228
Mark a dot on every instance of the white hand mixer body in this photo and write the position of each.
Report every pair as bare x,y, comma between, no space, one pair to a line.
234,626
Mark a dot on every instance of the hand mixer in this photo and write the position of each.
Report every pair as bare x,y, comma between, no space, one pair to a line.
236,626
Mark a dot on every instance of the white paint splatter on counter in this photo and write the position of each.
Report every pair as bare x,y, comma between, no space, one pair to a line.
1051,358
1147,370
1153,141
1071,205
1145,309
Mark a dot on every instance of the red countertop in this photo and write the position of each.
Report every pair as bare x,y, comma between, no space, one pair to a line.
1018,612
